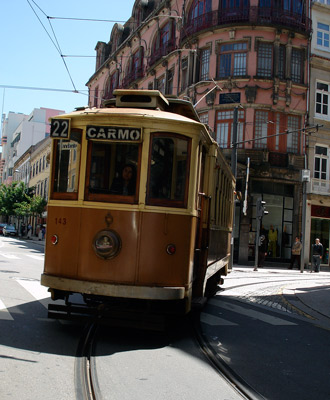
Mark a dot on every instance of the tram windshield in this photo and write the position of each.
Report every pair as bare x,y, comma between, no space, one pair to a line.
66,169
168,170
112,170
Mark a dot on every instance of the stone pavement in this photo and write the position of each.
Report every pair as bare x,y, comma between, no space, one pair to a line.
304,293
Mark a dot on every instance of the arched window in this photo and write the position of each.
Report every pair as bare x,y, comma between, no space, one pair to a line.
164,42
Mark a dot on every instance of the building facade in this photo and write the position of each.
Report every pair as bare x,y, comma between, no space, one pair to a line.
318,149
21,131
250,55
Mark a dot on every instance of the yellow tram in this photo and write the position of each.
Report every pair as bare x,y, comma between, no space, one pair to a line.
140,204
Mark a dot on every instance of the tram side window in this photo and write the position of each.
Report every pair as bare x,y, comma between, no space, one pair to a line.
112,170
168,170
66,168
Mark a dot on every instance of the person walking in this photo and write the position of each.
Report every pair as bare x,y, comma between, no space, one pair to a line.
263,246
295,253
317,253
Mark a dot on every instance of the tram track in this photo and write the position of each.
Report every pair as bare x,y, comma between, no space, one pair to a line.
86,383
233,379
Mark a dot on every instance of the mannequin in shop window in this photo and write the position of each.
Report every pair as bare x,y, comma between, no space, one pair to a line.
272,241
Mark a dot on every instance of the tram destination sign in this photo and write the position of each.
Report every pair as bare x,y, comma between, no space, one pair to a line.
115,133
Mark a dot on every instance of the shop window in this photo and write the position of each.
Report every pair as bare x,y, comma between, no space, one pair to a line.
232,60
224,128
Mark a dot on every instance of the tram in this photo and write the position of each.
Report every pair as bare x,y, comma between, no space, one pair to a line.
140,204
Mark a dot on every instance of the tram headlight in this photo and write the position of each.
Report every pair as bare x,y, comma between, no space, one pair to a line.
171,249
54,239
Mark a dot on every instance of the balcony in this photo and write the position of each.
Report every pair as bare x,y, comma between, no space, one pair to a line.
162,51
132,76
320,186
253,15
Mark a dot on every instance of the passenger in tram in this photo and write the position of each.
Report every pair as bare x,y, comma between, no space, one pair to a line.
125,184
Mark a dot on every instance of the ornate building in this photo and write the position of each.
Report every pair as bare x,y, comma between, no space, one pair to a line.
251,55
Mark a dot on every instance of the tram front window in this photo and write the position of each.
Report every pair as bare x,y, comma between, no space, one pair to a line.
168,170
112,170
66,168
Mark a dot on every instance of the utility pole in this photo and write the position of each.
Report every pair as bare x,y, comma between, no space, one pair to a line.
234,171
260,212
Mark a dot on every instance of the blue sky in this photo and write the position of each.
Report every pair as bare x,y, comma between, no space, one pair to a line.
30,59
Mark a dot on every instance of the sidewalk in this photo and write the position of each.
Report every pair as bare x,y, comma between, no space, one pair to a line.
310,293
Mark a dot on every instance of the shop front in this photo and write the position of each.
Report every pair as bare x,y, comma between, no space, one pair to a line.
279,226
320,228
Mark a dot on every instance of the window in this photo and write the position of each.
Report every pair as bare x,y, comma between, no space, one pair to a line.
199,8
322,36
168,170
112,172
94,97
321,162
232,60
270,129
111,85
160,84
281,62
164,42
184,73
170,76
204,64
292,137
322,100
297,58
224,128
265,60
204,118
134,69
65,167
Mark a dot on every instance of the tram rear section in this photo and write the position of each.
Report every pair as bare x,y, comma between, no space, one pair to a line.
162,238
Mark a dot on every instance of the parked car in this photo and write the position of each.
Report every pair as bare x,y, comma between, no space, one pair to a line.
1,228
9,230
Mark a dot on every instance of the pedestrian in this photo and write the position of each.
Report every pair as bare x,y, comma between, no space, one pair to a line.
295,253
40,233
43,232
317,253
29,231
262,251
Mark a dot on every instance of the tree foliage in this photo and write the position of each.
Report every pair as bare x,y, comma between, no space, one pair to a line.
19,200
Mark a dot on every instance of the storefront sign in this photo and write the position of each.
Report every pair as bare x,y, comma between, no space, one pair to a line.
113,133
229,98
320,211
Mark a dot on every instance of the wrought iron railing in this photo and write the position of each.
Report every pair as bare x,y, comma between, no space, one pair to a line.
132,76
162,51
255,15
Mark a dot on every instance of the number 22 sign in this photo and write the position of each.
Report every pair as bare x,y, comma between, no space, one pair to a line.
60,128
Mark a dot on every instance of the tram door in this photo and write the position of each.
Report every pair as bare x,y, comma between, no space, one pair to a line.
200,247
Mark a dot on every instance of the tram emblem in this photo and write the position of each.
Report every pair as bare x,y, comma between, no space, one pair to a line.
107,244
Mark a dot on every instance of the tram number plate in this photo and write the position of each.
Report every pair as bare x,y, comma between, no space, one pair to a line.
59,128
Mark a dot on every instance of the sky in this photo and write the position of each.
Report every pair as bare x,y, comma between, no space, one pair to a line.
31,57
